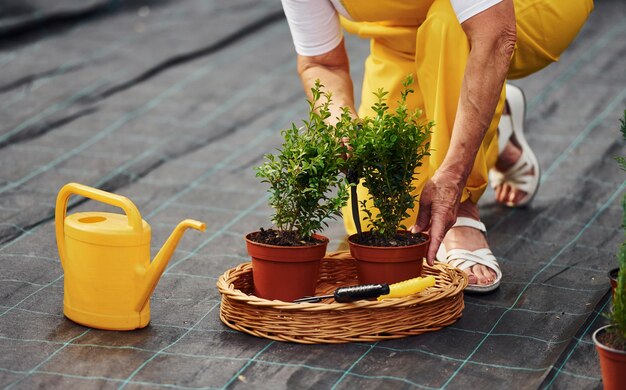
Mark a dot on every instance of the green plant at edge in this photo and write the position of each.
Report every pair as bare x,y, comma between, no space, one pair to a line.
305,185
617,315
386,150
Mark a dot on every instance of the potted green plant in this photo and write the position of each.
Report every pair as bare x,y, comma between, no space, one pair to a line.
305,189
613,273
386,148
610,340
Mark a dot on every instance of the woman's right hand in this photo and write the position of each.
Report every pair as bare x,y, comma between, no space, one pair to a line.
439,205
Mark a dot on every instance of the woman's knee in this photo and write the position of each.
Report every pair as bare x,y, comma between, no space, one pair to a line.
545,28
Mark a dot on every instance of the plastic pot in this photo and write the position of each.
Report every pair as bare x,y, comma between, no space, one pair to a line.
612,363
285,273
388,264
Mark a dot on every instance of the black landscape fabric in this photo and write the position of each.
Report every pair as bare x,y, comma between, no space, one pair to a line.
172,104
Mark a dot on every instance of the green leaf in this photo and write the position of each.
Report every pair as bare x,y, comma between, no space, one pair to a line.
617,314
385,152
305,171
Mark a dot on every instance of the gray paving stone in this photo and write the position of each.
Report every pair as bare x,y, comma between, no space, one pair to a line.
142,102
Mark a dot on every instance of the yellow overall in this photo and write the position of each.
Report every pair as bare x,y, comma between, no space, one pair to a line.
424,37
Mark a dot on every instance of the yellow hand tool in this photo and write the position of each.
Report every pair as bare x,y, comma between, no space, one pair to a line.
380,291
409,287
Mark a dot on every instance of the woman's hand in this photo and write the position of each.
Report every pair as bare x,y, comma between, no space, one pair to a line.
439,204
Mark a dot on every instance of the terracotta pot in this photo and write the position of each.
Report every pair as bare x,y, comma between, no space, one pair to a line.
388,264
612,363
285,273
613,278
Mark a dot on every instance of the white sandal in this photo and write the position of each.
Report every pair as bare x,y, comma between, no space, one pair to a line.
464,259
519,176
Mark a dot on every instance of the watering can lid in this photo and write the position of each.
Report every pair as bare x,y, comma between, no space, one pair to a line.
106,229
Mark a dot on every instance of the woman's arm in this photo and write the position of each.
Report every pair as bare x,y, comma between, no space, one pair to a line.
318,40
333,70
492,38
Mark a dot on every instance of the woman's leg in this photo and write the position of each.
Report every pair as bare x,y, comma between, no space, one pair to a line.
438,61
442,50
545,28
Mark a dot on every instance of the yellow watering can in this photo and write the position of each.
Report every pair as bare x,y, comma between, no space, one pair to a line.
106,260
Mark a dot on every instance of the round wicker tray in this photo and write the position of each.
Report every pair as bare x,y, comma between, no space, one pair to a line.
331,322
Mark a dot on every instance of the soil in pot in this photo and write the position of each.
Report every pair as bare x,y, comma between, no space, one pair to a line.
402,238
389,261
285,272
612,340
612,352
276,237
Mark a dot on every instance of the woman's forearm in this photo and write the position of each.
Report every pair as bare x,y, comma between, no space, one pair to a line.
333,70
491,35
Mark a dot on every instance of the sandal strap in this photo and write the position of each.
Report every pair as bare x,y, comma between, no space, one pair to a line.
464,259
505,131
469,222
520,176
515,96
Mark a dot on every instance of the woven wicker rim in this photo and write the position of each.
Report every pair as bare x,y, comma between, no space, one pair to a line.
331,322
450,282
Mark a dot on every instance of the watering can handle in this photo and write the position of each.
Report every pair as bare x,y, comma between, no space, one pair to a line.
134,218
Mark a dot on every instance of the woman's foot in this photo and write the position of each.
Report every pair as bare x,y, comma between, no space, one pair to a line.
464,237
515,177
505,193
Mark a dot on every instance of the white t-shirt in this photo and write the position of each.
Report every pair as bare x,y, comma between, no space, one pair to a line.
315,28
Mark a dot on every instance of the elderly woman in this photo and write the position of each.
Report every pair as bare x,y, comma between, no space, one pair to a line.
461,52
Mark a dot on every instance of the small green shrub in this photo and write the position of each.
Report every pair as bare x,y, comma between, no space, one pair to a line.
617,315
386,150
306,187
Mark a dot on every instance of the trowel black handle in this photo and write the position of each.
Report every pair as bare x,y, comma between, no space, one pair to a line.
352,176
363,291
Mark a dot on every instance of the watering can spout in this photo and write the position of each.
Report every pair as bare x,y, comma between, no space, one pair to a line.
157,266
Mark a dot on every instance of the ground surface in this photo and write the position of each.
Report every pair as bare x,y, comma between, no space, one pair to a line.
173,105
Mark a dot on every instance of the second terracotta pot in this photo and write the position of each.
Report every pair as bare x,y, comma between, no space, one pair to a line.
388,264
612,363
285,273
